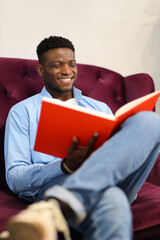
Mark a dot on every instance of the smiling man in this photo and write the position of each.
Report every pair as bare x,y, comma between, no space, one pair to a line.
59,70
96,198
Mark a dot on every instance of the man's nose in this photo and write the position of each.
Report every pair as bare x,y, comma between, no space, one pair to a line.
66,70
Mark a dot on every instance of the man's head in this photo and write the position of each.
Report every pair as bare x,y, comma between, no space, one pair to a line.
52,42
57,65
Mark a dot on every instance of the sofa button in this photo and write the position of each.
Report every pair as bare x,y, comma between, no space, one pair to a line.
8,94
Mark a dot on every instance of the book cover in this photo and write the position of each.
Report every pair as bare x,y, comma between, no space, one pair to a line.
59,122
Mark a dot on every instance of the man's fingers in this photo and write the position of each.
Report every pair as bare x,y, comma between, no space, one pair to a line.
89,146
74,145
87,149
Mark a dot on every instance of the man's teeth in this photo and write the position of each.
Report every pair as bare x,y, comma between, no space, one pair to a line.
65,79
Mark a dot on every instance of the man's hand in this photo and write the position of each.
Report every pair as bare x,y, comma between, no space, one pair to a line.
77,155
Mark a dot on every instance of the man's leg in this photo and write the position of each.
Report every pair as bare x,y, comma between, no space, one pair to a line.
129,154
134,182
110,218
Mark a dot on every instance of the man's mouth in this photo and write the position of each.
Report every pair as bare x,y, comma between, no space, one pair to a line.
66,80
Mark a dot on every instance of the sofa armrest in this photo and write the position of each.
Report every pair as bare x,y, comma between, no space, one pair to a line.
154,176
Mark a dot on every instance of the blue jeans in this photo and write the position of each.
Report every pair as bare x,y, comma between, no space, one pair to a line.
106,184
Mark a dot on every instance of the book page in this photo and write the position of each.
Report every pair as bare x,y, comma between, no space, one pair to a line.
80,108
149,101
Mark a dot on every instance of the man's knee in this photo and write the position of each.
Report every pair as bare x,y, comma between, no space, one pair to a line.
149,117
146,122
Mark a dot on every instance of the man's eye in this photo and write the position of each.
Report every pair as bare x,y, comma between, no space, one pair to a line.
55,66
73,64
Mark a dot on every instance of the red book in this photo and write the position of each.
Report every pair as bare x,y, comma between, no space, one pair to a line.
59,122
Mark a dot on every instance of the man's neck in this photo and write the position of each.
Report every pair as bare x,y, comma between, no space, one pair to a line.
64,96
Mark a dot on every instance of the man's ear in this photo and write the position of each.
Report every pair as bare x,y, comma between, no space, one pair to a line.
40,69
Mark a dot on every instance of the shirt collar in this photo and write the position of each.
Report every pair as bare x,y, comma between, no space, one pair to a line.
45,93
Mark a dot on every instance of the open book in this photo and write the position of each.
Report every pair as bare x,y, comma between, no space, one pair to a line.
59,122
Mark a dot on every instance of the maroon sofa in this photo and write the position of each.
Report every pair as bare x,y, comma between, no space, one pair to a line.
19,80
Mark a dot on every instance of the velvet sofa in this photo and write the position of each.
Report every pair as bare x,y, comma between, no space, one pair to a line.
19,80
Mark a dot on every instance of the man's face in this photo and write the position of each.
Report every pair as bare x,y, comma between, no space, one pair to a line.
59,70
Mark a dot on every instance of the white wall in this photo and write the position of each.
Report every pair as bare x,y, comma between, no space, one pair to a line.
122,35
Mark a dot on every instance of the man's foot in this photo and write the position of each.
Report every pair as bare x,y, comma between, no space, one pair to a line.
4,235
40,221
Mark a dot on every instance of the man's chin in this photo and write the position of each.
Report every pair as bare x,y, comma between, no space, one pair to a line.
62,90
65,90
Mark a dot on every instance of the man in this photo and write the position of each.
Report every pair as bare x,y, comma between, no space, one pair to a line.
94,190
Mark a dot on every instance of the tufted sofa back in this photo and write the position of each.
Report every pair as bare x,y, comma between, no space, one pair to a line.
19,79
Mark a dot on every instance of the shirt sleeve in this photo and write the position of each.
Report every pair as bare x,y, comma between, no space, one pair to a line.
21,173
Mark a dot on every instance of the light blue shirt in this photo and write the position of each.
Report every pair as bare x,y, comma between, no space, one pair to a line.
27,170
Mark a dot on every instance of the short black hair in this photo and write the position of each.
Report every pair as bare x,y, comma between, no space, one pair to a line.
51,43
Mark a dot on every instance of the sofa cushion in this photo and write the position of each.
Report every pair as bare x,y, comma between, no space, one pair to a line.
87,77
10,205
149,198
111,91
135,87
154,176
102,84
18,80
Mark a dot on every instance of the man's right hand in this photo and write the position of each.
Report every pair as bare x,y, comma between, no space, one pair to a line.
77,155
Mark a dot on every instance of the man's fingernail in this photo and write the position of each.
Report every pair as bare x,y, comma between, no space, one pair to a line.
96,134
74,139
